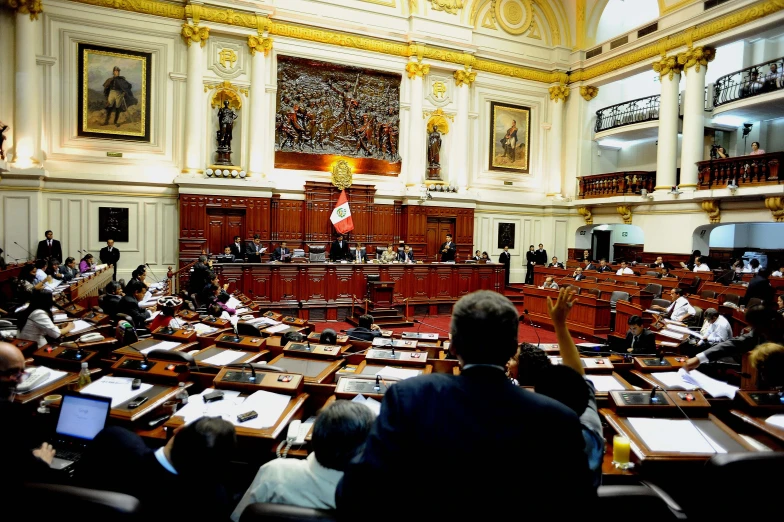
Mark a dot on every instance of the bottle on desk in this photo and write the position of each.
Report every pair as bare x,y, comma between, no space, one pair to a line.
182,395
84,377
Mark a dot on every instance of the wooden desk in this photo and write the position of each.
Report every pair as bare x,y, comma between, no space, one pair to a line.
158,371
64,358
651,364
398,357
158,394
180,335
314,371
26,347
318,351
590,316
367,368
145,344
590,364
342,339
240,342
53,387
760,424
89,286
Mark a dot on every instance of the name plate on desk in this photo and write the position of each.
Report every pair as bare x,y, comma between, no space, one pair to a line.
317,350
349,387
293,321
399,357
242,379
626,401
419,336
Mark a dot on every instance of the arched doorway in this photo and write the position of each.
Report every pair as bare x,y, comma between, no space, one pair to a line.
612,242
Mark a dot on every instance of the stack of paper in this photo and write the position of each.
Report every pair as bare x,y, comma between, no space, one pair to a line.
80,326
278,328
224,357
162,345
233,302
712,386
776,420
269,407
674,436
396,374
683,330
197,408
117,388
605,383
203,329
262,320
370,402
671,334
674,380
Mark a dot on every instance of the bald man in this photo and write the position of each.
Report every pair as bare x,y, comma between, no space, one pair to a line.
19,463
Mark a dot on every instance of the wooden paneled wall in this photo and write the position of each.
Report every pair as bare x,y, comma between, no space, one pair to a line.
305,223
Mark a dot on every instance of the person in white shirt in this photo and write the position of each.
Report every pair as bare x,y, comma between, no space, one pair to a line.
699,266
549,283
624,270
680,309
716,328
36,323
338,436
778,273
752,268
40,270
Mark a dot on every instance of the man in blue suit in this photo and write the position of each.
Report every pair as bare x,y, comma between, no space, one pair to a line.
477,435
407,255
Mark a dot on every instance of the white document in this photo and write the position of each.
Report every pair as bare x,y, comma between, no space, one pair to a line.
117,388
712,386
277,328
683,330
263,320
233,302
669,322
605,383
224,408
241,311
776,420
53,376
224,357
654,312
668,344
674,380
268,405
380,341
162,345
674,435
397,374
153,316
80,326
59,317
671,334
370,402
203,328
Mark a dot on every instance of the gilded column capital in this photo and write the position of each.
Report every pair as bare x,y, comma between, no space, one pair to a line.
415,69
696,57
587,214
588,92
260,44
31,7
464,77
776,206
667,66
625,212
711,207
559,92
195,34
448,6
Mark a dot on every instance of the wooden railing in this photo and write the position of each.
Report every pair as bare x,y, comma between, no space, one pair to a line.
616,184
744,171
179,279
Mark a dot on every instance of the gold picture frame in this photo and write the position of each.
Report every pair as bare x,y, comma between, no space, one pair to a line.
510,131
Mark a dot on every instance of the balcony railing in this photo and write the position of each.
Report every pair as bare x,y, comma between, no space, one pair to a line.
616,184
762,169
627,113
748,82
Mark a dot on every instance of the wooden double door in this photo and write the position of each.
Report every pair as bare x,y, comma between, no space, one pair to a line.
435,234
223,225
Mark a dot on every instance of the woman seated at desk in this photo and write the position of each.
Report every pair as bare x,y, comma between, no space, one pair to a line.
36,322
86,264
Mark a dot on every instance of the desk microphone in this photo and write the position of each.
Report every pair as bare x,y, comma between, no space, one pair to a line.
377,386
144,356
153,273
23,248
527,316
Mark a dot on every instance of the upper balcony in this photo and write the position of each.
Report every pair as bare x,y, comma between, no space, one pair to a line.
755,93
636,119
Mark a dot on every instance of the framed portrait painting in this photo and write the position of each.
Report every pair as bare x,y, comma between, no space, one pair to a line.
510,129
112,224
114,93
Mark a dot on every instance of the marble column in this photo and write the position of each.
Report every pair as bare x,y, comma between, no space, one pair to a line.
27,93
417,161
695,64
558,95
667,150
463,81
259,49
195,37
578,133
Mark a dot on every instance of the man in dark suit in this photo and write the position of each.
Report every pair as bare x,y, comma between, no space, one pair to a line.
366,330
197,456
540,256
339,250
49,248
604,267
200,275
358,253
110,302
448,249
760,287
253,250
129,304
638,339
506,259
407,255
282,253
110,256
578,274
464,415
555,263
236,249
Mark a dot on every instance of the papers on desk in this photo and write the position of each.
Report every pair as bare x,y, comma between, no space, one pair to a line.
674,435
776,420
262,320
224,357
203,329
161,345
683,330
654,312
669,344
670,322
80,326
53,376
197,408
233,302
278,328
370,402
117,388
269,406
397,374
153,316
671,334
713,387
59,317
241,311
674,380
605,383
53,285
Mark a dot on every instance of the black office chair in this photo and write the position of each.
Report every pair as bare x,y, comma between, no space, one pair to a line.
575,289
248,329
695,321
647,503
317,253
661,302
655,289
731,298
52,500
708,294
692,289
175,357
263,512
653,274
754,301
617,296
595,291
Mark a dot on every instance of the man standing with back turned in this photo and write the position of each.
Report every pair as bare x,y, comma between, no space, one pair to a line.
464,416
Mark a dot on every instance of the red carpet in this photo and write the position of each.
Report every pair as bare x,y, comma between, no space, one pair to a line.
434,322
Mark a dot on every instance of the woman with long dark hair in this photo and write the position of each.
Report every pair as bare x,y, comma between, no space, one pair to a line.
36,323
86,264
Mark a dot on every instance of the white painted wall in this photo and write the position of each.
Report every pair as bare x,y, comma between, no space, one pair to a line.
620,16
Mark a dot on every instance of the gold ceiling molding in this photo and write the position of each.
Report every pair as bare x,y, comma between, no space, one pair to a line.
448,6
711,207
259,22
625,212
588,92
696,57
664,8
667,66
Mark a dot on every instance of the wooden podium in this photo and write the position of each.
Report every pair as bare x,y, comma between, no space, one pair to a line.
381,293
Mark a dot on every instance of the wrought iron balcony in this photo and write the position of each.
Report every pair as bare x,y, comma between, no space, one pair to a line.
616,184
751,81
744,171
628,113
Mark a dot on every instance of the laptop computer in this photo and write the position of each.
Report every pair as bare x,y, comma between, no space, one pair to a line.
81,418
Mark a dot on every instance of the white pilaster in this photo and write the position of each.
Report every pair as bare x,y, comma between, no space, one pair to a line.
259,49
558,95
195,37
27,95
416,165
667,149
695,64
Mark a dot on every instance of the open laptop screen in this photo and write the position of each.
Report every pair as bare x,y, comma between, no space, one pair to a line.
82,416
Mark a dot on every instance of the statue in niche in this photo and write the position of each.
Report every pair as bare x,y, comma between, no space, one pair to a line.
434,154
327,109
226,117
3,128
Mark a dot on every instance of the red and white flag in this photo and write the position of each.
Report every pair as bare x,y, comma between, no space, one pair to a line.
341,215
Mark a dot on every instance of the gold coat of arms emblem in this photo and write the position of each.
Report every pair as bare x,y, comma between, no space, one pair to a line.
341,175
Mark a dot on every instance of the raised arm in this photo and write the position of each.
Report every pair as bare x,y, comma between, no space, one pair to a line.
558,313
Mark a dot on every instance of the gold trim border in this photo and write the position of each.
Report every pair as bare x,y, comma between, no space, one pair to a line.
249,20
89,192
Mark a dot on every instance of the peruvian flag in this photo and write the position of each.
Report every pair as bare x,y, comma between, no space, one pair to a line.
341,215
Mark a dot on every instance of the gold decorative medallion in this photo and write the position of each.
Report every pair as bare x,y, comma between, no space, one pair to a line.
559,92
514,16
227,58
589,92
439,89
415,69
341,175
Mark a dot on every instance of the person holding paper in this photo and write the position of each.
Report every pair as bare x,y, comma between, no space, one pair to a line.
624,270
86,264
638,339
715,329
129,304
282,253
339,434
253,250
220,298
179,481
35,323
680,309
766,326
464,416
